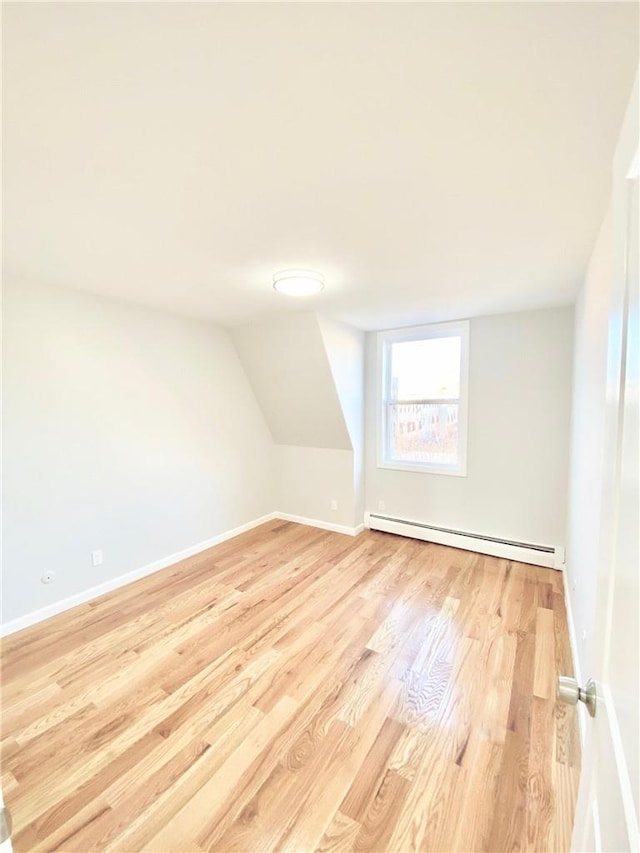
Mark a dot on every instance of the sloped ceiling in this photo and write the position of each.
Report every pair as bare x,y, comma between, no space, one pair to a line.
289,371
432,159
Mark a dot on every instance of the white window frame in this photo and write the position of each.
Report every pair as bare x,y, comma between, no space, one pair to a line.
416,333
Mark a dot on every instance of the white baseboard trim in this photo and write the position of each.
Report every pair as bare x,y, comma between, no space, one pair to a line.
573,645
323,525
122,580
86,595
549,557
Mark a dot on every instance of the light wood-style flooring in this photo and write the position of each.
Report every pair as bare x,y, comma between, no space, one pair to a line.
296,689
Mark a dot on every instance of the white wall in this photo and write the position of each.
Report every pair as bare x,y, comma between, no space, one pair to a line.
125,430
138,433
518,442
308,377
587,438
345,349
310,478
287,365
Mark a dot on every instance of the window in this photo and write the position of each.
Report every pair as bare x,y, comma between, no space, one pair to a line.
423,402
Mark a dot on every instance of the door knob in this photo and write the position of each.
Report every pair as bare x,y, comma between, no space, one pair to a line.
569,691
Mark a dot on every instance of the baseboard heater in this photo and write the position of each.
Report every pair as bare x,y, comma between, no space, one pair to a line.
552,557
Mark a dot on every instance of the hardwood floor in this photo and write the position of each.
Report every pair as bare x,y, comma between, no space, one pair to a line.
295,689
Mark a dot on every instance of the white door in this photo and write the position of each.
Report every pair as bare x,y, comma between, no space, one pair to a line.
607,810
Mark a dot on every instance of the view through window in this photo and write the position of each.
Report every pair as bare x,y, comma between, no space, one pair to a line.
424,401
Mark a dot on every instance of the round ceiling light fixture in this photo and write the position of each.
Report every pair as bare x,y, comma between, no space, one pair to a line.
298,282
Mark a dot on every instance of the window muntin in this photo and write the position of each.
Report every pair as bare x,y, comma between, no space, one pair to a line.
424,401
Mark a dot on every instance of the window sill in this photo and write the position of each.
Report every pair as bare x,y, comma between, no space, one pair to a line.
423,469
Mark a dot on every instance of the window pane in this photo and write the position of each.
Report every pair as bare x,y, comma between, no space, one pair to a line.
423,433
426,370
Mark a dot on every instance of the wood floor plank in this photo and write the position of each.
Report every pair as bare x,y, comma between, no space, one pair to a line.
315,810
424,823
541,800
474,825
372,771
195,816
382,812
296,689
544,680
508,825
340,835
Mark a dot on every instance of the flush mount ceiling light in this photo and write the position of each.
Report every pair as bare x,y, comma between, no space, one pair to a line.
298,282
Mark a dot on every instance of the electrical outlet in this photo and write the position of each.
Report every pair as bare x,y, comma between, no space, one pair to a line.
96,558
381,505
334,504
48,577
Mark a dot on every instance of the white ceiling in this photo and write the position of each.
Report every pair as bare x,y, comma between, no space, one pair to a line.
432,160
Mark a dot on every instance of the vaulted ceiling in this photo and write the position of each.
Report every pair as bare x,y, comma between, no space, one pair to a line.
432,160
